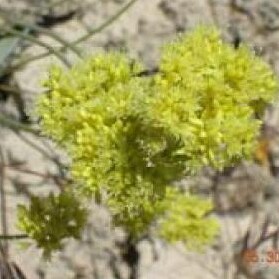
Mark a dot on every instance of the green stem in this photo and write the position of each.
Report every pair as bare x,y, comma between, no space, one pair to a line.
13,237
12,124
105,24
52,34
83,38
38,42
42,30
5,247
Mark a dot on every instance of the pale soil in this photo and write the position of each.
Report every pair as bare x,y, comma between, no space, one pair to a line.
141,32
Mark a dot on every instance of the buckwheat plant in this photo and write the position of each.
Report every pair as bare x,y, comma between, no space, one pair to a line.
131,136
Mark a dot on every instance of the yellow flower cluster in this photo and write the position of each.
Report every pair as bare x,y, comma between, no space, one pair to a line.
131,136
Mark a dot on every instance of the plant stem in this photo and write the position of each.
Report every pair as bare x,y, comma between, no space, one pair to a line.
81,39
35,27
12,124
3,204
13,237
30,38
105,24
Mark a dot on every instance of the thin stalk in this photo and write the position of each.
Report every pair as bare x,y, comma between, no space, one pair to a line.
13,237
55,36
12,90
12,124
4,223
54,177
79,40
25,61
105,24
36,147
30,38
42,30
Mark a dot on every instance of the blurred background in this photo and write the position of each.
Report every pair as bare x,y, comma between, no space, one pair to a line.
37,33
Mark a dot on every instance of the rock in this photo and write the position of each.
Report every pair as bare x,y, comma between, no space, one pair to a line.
141,31
246,186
